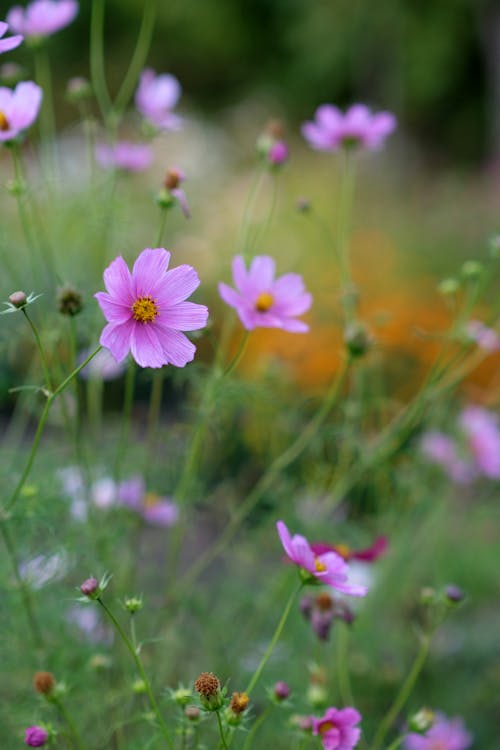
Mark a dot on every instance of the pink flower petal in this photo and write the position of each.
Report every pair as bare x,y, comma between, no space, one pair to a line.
146,347
118,281
149,270
185,316
177,284
114,311
262,271
116,338
179,349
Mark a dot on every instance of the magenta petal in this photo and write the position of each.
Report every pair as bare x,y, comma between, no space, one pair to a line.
145,345
185,316
149,270
6,45
176,285
229,296
240,275
118,281
114,311
25,104
116,338
262,271
178,349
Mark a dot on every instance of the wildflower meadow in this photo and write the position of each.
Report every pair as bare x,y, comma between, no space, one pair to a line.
249,412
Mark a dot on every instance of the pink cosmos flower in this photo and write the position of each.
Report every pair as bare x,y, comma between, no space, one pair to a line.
337,728
483,438
11,42
36,736
369,554
156,510
358,126
486,338
18,108
263,302
328,568
445,734
130,157
156,97
146,310
443,451
42,17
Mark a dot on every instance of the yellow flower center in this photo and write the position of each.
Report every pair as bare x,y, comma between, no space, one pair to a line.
4,123
319,566
145,309
150,500
326,726
264,302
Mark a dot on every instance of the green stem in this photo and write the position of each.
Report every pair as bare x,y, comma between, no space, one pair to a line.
268,478
342,664
274,640
43,77
237,357
248,210
161,227
97,58
397,742
153,417
40,349
39,429
71,725
128,401
140,669
343,225
403,694
255,726
138,57
22,585
221,731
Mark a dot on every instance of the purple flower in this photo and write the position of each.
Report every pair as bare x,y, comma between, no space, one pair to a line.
445,734
159,511
42,17
11,42
36,736
278,153
18,108
156,97
146,310
263,302
483,438
358,126
130,157
442,450
329,568
337,728
486,338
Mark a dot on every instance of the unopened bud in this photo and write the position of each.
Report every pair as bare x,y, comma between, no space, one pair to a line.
133,604
449,286
78,89
428,596
182,696
422,721
69,301
139,687
192,713
173,178
472,269
18,299
317,696
44,682
357,339
281,691
454,594
90,588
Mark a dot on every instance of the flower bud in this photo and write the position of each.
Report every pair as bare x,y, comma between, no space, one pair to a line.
139,687
182,696
454,594
208,687
317,696
133,604
422,721
449,286
69,301
44,682
90,588
238,705
36,736
281,691
472,269
357,339
173,178
428,596
278,154
192,713
18,299
304,723
78,89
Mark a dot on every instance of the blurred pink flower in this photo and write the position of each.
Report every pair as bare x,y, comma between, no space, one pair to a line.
483,438
358,126
172,192
36,736
328,568
278,153
147,309
443,451
156,510
130,157
18,108
445,734
102,366
263,302
368,554
156,97
42,17
6,45
486,338
337,728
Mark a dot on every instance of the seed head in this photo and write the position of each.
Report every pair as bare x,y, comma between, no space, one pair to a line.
207,684
69,301
44,682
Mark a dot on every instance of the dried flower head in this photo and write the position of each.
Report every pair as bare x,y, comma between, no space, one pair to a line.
239,703
69,300
44,682
207,684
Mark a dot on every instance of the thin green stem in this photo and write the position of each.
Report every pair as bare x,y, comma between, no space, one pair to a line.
221,731
138,57
266,481
141,671
248,210
274,639
255,726
41,350
97,58
397,742
343,226
403,695
128,401
161,227
239,354
39,430
342,664
43,77
71,725
153,417
34,626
